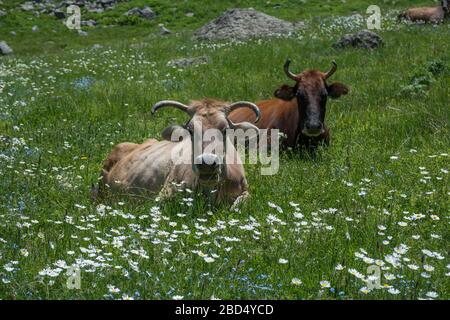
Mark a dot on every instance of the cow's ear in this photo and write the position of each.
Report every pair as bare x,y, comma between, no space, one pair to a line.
285,93
174,133
337,89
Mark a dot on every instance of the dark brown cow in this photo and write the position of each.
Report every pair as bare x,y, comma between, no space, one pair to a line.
298,111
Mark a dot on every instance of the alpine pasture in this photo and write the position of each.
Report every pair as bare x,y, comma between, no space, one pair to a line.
377,196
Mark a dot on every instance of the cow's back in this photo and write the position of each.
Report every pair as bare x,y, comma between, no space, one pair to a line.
427,14
275,114
145,168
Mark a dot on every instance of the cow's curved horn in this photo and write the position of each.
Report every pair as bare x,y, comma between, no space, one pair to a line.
170,103
332,70
244,104
288,72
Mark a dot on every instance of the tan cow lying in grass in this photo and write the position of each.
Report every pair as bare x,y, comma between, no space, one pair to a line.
155,166
435,14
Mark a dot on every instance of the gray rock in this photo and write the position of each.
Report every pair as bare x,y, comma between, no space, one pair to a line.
13,33
27,6
163,30
35,29
82,33
5,49
133,12
96,10
243,24
88,23
362,39
59,14
187,62
146,12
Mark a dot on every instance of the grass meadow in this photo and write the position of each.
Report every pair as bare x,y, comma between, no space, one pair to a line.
378,195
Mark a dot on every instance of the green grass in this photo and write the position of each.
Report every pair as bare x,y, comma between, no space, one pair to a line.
55,133
53,36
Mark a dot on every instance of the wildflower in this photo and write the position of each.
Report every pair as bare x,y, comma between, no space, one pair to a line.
389,276
112,289
428,268
413,266
282,261
339,267
273,205
324,284
393,291
177,297
432,294
364,290
296,281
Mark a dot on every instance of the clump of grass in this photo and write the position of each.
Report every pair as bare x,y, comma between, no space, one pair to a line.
421,82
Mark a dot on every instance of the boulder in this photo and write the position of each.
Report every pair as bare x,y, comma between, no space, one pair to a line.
163,30
27,6
362,39
88,23
59,14
146,12
187,62
243,24
5,49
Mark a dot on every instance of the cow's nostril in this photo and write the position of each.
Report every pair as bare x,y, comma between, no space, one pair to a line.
207,162
313,129
313,126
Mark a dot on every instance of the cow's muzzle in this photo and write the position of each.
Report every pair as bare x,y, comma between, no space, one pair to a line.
207,165
313,128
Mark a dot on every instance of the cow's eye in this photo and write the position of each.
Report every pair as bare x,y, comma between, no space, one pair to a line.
301,93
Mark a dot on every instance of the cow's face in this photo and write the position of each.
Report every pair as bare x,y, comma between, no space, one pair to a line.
207,130
311,91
